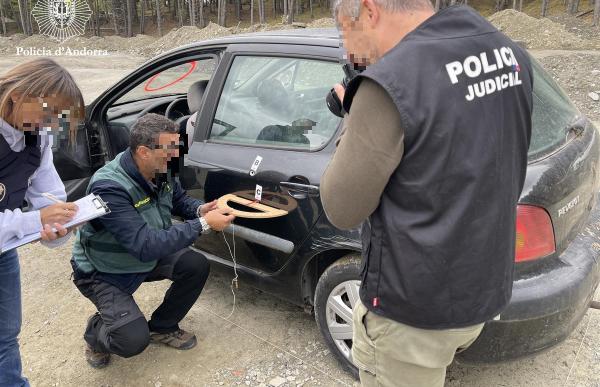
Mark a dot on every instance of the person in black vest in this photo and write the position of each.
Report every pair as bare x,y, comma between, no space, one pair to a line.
36,99
432,161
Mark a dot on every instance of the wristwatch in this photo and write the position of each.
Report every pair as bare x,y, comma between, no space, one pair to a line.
205,226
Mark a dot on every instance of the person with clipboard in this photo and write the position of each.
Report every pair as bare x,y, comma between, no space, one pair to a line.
36,98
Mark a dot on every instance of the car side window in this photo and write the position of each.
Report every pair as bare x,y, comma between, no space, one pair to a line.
277,102
173,80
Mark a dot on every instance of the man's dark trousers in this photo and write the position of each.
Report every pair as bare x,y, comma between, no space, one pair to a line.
120,327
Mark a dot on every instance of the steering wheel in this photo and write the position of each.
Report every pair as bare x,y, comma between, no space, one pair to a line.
171,108
150,108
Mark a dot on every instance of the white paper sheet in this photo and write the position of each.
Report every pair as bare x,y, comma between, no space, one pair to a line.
89,207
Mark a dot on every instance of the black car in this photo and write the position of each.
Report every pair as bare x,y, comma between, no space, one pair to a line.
259,100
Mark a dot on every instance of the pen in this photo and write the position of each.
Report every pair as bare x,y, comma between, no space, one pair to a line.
49,196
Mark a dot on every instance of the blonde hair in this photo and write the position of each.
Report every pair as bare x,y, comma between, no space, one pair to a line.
41,77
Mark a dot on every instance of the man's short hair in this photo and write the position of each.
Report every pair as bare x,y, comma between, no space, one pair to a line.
352,7
146,129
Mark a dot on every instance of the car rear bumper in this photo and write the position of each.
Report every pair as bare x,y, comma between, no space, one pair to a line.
545,309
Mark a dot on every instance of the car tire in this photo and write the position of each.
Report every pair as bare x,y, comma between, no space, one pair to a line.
333,307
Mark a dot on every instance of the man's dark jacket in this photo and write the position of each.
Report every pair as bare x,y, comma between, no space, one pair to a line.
131,231
439,250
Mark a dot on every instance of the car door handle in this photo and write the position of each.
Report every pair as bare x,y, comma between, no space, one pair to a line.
299,190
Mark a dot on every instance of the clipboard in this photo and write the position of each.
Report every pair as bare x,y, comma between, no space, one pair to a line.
90,207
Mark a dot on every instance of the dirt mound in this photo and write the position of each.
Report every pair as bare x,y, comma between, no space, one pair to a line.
110,43
261,28
319,23
8,42
134,45
143,45
538,33
38,41
184,35
579,76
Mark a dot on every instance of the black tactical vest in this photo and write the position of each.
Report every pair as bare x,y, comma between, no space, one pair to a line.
15,170
439,250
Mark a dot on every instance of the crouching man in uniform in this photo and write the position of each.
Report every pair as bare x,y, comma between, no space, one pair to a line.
136,242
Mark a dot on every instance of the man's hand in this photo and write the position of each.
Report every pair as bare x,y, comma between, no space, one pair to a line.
208,207
49,235
218,219
58,213
340,91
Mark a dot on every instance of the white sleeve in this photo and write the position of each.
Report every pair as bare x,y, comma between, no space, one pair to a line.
17,224
46,179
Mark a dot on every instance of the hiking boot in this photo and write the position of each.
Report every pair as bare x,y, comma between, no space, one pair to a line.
96,359
179,339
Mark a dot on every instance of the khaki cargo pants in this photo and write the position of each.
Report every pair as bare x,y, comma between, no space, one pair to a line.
388,353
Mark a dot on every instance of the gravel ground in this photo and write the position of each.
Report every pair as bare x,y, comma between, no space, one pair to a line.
540,33
582,27
266,342
579,75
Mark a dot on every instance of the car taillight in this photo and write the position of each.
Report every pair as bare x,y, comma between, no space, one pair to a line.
535,236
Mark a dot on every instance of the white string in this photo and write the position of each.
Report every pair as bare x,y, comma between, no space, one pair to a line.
235,278
234,281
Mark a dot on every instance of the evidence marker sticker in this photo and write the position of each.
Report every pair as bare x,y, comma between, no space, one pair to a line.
255,165
258,193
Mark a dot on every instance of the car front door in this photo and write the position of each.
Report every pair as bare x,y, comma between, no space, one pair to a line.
267,125
76,160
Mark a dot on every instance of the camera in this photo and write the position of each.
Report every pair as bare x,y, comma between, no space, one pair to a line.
333,102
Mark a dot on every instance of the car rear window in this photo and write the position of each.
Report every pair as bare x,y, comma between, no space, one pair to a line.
553,114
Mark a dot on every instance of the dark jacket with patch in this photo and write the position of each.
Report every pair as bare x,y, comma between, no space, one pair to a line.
15,170
126,244
439,249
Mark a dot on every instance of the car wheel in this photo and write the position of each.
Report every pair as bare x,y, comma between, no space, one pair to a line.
335,297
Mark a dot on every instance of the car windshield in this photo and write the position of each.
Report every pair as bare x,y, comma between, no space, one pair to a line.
553,114
174,80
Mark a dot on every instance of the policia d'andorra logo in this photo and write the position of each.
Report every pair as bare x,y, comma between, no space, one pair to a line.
61,19
2,191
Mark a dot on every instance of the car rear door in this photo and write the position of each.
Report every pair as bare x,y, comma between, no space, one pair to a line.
267,124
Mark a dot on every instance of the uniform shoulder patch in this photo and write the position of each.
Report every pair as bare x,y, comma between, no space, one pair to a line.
142,202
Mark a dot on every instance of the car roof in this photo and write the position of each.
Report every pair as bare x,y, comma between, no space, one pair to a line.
323,33
328,37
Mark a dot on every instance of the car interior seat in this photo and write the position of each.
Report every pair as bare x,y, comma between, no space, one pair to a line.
194,100
272,95
290,134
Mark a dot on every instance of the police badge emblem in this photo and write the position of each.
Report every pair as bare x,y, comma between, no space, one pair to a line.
2,191
61,19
